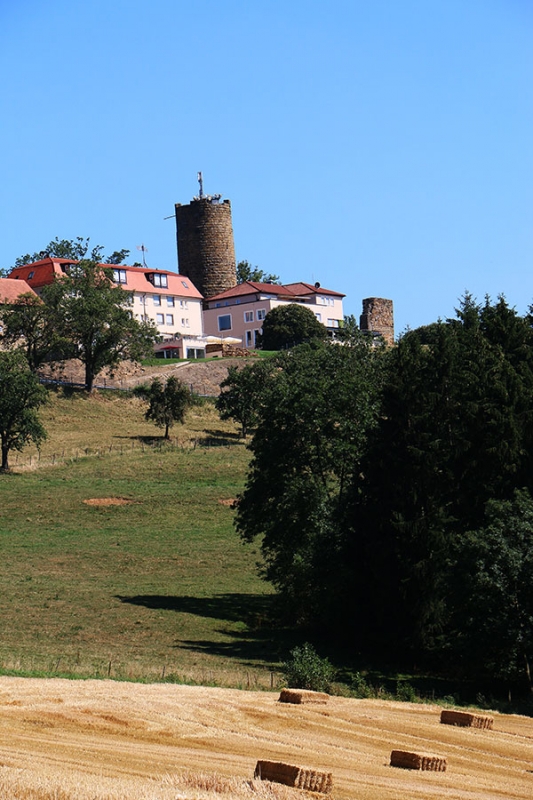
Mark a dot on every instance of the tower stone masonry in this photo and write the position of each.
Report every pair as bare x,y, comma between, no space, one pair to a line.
378,317
206,253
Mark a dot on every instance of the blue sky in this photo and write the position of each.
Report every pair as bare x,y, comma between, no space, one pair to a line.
382,148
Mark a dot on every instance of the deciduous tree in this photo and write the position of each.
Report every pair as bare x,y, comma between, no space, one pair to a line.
94,316
241,392
167,402
290,325
317,407
76,249
21,396
246,272
33,326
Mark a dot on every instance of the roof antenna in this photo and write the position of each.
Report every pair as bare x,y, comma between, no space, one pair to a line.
201,182
144,250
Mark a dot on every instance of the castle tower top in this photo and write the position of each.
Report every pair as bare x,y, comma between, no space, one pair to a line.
378,317
206,252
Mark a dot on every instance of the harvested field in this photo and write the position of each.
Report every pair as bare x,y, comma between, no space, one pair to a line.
62,740
406,760
297,777
465,720
299,696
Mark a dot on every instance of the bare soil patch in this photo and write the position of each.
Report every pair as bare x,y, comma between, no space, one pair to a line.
107,740
108,501
204,377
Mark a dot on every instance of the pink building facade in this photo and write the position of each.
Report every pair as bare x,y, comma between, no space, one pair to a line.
238,313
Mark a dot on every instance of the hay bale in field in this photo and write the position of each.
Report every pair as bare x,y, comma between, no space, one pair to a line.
298,777
406,760
300,696
466,720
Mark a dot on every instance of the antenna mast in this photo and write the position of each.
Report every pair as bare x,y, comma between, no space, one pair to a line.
201,182
144,250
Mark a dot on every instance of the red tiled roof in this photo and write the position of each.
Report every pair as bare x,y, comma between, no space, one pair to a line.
287,290
137,281
42,272
252,287
45,271
309,288
11,289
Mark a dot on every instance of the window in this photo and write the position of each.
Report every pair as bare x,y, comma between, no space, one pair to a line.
160,319
185,284
184,304
157,299
119,275
170,302
257,335
224,322
248,316
170,319
318,315
30,276
260,314
249,338
333,323
160,280
185,322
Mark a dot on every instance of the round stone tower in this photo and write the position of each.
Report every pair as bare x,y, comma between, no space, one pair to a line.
378,317
206,253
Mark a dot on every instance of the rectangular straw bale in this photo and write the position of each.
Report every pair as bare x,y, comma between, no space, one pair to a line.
407,760
298,777
464,719
299,696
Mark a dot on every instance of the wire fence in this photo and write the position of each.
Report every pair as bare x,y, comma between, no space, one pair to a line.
22,460
122,385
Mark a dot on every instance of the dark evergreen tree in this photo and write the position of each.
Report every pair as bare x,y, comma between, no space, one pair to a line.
456,432
493,571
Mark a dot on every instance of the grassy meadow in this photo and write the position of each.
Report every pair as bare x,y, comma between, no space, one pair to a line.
118,555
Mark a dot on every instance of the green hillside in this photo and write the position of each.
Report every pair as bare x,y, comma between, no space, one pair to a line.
118,554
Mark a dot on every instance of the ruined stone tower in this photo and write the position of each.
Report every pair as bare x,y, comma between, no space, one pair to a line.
206,253
378,317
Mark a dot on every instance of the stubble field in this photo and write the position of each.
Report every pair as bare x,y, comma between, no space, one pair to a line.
99,740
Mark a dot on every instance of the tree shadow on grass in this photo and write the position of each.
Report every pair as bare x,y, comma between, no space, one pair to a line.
267,647
261,641
150,440
252,609
215,438
216,433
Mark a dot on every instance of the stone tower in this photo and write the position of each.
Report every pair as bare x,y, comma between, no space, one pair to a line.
378,317
206,253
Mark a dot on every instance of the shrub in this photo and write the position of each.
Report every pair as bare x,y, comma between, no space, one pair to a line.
305,669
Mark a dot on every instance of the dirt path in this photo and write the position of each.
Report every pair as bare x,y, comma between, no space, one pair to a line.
101,739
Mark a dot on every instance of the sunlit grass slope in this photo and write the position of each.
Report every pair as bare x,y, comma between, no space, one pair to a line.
149,578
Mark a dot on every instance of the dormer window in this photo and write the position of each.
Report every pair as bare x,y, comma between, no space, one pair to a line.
30,276
119,275
158,279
